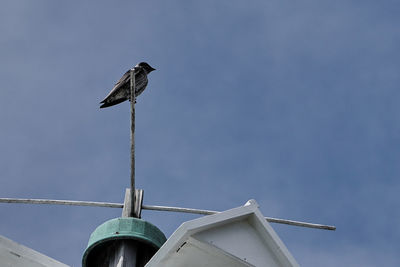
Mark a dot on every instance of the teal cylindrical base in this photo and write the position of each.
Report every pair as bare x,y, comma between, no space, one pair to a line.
146,237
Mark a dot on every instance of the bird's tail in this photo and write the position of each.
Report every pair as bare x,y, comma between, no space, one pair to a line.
106,104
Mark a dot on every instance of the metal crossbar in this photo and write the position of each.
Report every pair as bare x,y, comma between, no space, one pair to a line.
153,207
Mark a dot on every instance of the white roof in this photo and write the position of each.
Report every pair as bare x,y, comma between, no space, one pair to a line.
13,254
237,237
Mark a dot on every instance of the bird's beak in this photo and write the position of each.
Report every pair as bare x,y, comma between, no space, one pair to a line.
152,69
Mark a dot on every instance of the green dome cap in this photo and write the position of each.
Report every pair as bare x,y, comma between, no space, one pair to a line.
125,228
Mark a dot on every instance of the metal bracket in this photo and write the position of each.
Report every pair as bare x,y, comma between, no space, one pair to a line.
135,210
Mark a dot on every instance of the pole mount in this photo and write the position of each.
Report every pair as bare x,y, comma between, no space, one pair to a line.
134,210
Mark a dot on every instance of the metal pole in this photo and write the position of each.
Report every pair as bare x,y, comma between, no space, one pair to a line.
133,100
153,207
61,202
123,253
269,219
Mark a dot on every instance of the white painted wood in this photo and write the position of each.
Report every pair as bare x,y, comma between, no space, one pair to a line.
243,233
13,254
200,254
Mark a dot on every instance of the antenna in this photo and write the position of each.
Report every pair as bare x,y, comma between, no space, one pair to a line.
156,208
133,210
134,241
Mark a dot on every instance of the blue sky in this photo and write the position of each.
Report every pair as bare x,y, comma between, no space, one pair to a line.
294,104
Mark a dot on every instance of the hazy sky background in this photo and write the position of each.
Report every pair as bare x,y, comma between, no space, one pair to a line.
292,103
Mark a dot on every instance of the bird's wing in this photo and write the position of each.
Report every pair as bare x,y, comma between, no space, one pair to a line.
122,81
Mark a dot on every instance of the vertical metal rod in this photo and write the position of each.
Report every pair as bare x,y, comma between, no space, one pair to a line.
133,100
127,209
124,254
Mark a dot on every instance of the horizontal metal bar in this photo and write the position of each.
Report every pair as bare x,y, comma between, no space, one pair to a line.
302,224
152,207
176,209
269,219
61,202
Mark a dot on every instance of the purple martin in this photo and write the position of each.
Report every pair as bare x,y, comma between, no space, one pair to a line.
122,89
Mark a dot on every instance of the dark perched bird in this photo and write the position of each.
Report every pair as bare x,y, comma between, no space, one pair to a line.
122,89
